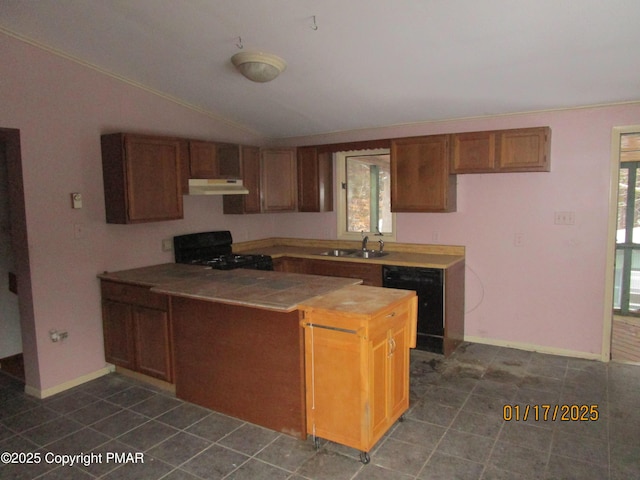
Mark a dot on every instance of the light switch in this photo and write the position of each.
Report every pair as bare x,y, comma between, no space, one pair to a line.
76,200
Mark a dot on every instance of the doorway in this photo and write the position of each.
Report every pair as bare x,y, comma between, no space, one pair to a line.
624,234
19,349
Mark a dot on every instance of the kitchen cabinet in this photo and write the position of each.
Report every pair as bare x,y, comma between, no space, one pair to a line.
369,273
270,177
246,167
278,180
420,178
136,329
203,161
142,178
289,265
213,160
499,151
315,180
357,363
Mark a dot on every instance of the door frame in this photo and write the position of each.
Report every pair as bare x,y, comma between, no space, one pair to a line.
616,133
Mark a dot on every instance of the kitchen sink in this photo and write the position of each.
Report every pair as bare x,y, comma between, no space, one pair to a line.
370,254
339,252
354,253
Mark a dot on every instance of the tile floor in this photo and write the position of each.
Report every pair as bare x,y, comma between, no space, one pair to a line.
453,430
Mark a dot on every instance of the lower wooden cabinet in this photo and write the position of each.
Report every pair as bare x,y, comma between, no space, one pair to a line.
369,273
136,329
289,265
357,363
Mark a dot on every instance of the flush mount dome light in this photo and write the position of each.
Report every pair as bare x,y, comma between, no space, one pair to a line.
257,66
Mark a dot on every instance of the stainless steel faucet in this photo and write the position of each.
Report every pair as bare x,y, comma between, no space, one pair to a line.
381,245
364,243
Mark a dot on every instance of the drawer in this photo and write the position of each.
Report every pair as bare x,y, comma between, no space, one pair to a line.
133,294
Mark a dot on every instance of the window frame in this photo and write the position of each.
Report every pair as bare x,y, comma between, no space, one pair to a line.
627,247
341,174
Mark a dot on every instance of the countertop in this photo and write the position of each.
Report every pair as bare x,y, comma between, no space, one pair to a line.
253,288
398,254
360,300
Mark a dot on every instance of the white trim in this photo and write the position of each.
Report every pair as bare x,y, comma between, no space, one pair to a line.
534,348
607,323
35,392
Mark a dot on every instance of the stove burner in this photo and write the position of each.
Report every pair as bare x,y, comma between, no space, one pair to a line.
213,249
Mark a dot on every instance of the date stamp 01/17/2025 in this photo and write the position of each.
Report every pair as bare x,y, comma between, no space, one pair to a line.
548,412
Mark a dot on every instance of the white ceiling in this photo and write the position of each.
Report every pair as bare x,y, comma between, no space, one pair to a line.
370,63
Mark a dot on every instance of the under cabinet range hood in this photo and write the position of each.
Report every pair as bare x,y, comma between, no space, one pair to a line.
216,186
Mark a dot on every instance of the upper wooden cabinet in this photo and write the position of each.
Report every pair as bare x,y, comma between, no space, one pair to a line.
203,160
142,178
420,179
270,177
315,180
517,150
278,179
213,160
246,167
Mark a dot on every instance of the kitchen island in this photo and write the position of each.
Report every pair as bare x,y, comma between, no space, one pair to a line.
238,345
237,338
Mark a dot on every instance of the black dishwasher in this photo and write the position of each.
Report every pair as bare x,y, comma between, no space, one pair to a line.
428,283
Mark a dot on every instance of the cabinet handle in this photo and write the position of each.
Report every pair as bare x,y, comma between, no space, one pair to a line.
392,314
392,346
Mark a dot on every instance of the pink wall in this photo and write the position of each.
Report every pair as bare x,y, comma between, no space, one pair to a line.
61,108
548,292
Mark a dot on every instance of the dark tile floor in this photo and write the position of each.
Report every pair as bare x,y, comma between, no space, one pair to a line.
453,430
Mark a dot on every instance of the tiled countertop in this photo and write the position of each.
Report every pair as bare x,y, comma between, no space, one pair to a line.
253,288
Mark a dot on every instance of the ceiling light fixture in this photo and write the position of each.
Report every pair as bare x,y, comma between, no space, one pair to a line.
258,66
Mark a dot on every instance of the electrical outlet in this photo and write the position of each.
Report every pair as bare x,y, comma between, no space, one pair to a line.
564,218
518,239
167,244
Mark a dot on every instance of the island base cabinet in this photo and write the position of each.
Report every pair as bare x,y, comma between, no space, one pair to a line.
241,361
357,372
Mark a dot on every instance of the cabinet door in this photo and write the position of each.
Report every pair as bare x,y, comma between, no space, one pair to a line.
315,180
247,167
203,161
279,189
398,368
524,150
228,158
420,180
117,325
289,265
152,344
152,179
473,152
370,274
336,391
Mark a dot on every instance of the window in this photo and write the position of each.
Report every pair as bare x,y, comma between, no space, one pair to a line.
364,194
626,297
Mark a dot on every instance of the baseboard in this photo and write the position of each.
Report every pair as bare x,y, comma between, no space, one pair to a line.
534,348
35,392
169,387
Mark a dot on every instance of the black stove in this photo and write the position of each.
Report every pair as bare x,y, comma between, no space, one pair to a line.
213,249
